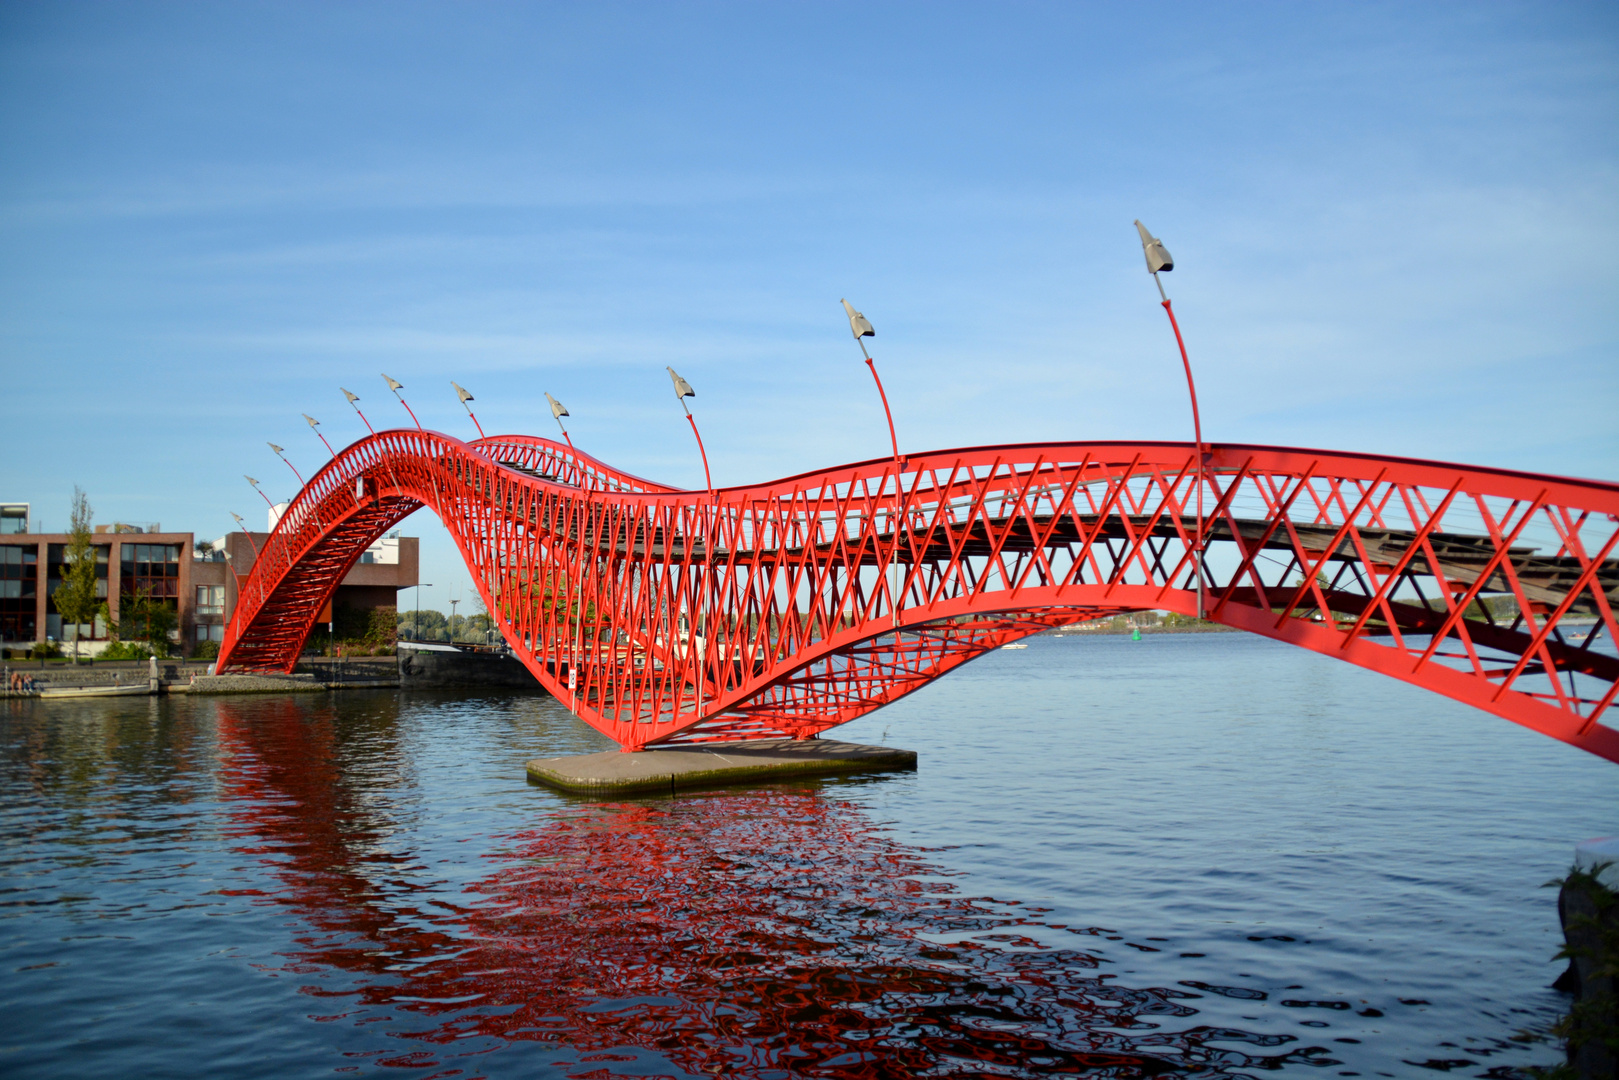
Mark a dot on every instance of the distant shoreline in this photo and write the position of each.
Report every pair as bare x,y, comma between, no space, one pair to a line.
1207,628
1077,631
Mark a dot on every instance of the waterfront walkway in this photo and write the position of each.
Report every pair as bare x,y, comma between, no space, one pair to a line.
192,676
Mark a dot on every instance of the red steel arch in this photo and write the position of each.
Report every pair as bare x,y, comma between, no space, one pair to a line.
787,608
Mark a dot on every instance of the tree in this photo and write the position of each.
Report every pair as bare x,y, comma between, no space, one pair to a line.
75,598
424,625
478,625
143,617
476,628
383,629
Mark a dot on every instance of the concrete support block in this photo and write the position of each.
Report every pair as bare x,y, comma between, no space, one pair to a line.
760,761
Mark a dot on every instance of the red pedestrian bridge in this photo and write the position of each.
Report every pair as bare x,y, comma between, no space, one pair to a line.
786,608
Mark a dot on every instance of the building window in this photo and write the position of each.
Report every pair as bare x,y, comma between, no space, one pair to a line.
153,568
14,518
55,566
19,591
210,599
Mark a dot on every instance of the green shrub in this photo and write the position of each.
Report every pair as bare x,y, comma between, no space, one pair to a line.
124,650
206,650
1590,1031
147,619
45,650
382,628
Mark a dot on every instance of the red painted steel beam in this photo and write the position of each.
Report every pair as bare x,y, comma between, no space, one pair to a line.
790,607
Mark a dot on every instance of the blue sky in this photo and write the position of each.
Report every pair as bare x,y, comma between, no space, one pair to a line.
1395,230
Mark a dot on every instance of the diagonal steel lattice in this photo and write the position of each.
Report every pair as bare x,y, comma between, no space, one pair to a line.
784,609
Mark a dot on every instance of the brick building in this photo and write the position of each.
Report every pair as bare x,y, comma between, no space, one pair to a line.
201,583
390,564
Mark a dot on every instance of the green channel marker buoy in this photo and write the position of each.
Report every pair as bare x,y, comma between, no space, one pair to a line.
1135,635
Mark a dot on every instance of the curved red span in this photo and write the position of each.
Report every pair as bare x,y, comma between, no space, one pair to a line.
787,608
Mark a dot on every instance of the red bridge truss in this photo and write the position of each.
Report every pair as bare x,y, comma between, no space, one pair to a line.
787,608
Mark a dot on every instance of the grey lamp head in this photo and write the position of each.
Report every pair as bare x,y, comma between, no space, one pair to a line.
859,325
392,385
274,447
461,392
238,518
1158,257
250,480
352,397
558,410
682,387
312,421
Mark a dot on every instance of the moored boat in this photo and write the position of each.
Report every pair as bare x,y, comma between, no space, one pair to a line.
94,691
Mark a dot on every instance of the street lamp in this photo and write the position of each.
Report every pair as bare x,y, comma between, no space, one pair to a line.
354,403
353,399
256,487
282,455
465,397
683,391
416,616
558,411
1159,259
396,386
314,425
243,525
860,326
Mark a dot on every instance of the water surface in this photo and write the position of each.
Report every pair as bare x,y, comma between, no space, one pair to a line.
1193,854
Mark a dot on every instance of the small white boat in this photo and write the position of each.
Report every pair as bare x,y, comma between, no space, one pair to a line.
1015,645
94,691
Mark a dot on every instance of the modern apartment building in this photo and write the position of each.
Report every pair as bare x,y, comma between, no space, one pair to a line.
387,566
200,582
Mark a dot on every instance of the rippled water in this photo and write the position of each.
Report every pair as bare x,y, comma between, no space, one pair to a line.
1202,854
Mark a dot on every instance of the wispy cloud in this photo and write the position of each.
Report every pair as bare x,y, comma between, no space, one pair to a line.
1395,230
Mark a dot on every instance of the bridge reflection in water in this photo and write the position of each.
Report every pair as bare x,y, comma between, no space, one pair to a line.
761,933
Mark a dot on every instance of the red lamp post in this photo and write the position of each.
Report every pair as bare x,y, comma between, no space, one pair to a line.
558,411
860,326
314,425
397,386
282,455
256,487
243,526
353,400
683,391
1158,258
466,397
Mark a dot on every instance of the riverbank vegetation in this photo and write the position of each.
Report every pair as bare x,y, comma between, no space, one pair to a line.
1589,911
